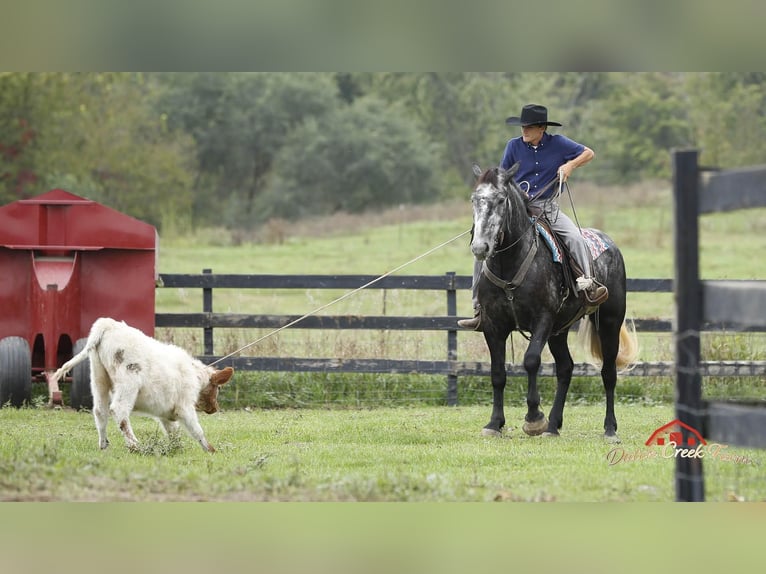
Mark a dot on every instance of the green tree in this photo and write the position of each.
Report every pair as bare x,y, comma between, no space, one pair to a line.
239,123
95,135
359,157
635,128
728,115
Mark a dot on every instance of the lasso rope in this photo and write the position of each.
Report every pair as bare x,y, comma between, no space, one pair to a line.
339,299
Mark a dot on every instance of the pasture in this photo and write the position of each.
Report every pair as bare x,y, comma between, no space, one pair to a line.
389,438
431,454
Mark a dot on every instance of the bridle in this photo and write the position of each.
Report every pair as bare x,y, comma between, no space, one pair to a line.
518,279
506,227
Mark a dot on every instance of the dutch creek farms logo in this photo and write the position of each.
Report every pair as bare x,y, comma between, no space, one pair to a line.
668,442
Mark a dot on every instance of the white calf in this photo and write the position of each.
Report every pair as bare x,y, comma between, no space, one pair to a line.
140,373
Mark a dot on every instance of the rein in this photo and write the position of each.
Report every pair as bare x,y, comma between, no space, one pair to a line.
521,274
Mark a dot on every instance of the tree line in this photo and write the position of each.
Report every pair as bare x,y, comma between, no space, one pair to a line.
197,149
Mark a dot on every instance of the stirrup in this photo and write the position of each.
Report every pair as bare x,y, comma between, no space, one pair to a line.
596,294
473,323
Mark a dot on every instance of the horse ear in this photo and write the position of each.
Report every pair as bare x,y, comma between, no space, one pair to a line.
476,170
506,175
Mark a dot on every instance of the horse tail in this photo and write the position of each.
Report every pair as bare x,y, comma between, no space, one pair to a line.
629,348
627,355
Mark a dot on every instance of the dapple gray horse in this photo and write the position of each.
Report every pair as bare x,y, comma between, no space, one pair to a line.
522,288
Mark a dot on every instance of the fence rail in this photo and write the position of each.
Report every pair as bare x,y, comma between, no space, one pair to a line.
451,367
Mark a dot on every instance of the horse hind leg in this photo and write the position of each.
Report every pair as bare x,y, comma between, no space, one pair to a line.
609,336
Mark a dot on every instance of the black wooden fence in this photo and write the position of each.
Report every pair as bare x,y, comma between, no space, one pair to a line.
741,303
450,367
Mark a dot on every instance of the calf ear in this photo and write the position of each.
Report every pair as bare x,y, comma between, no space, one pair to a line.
221,377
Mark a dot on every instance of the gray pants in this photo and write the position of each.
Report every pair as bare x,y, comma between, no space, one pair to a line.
564,228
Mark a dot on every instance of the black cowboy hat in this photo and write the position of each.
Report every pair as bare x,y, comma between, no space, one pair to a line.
531,114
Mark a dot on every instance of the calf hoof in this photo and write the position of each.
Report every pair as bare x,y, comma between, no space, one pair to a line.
535,428
490,432
551,433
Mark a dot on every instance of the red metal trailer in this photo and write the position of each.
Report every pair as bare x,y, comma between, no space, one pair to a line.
64,262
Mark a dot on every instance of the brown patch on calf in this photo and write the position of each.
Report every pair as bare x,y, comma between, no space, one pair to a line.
208,399
134,368
221,377
119,356
208,396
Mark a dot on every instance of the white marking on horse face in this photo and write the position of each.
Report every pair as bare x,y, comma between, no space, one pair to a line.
487,220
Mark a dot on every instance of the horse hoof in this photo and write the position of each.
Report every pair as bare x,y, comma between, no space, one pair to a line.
612,439
535,428
490,432
548,433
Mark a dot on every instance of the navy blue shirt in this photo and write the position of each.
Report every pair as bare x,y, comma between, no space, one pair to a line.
539,166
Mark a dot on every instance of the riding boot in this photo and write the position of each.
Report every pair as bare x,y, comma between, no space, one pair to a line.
474,323
592,292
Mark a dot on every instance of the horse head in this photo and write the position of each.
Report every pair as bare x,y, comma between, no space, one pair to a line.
491,203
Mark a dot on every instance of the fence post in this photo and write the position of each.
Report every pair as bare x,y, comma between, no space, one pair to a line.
207,307
688,298
451,338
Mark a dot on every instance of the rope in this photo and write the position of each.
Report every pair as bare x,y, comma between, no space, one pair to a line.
571,202
339,299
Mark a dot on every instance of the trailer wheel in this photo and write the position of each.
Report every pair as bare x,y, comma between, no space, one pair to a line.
15,371
80,395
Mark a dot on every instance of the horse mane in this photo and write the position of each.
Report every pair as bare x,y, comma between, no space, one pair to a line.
489,176
492,177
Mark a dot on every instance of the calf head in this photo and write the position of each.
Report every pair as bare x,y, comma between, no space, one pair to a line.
208,396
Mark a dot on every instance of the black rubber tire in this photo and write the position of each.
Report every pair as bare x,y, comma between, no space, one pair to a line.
80,396
15,371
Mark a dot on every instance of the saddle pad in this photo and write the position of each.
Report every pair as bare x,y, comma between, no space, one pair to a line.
552,244
595,243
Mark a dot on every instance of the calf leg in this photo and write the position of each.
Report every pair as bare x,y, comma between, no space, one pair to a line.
123,401
99,389
101,416
191,423
170,427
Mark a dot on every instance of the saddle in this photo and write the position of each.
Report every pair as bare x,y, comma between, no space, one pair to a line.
571,269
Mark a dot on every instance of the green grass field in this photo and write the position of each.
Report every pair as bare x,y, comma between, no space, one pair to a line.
432,454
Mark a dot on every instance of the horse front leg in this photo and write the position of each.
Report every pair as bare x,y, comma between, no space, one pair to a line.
564,367
534,421
498,376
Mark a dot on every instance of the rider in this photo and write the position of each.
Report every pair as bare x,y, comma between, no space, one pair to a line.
546,160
